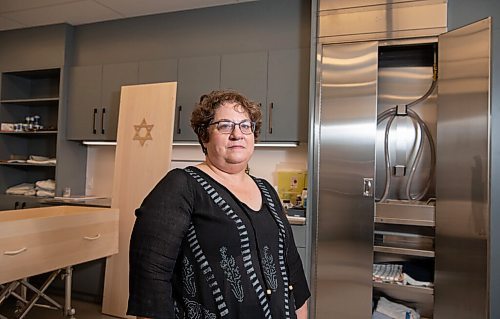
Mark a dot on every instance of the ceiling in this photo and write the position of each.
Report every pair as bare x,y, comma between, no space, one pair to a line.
15,14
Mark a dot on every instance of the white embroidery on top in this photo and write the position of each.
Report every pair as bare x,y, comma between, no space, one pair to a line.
269,269
188,277
196,311
232,273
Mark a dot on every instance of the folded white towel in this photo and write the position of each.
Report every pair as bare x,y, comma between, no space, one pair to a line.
379,315
34,159
23,186
16,161
38,158
21,189
31,192
410,281
48,184
395,310
45,193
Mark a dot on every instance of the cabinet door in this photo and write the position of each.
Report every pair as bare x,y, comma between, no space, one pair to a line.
114,76
158,71
463,175
347,133
7,202
12,202
84,97
30,203
197,76
288,95
247,74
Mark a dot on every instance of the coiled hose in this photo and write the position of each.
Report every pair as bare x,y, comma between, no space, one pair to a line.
420,127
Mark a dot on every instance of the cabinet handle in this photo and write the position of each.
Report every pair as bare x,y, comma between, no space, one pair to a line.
270,119
92,237
94,131
14,252
102,120
16,205
179,120
368,187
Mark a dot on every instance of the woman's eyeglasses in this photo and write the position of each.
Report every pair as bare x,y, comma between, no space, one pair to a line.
227,127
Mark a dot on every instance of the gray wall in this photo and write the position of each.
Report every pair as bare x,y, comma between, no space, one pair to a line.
246,27
462,12
33,48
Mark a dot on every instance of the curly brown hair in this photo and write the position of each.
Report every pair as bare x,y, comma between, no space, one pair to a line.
204,112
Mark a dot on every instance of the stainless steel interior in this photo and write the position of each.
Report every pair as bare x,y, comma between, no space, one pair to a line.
400,86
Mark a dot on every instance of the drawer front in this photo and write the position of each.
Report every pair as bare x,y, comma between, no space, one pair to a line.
30,247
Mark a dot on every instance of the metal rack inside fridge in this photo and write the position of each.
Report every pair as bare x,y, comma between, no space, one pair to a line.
413,285
405,211
419,298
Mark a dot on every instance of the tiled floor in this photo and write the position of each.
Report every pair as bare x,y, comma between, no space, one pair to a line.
83,310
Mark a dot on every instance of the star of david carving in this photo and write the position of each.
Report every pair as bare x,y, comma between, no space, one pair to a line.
138,128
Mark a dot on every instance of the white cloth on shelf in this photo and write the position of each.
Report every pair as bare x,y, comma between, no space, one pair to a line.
27,189
45,193
379,315
31,192
46,188
48,185
17,161
395,310
35,159
407,280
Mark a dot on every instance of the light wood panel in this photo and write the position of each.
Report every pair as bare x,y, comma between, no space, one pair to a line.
38,240
139,165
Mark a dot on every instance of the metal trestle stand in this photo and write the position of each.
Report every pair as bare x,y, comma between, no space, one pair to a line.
24,305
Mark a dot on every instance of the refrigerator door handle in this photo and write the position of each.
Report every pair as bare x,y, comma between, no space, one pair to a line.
367,187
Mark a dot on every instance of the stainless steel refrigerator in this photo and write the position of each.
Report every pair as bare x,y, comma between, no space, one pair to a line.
416,193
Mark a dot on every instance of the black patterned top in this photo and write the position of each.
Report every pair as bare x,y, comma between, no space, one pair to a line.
196,251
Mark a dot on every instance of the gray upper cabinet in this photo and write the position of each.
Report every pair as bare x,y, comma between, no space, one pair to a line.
287,96
84,96
247,74
114,76
196,76
158,71
277,80
94,99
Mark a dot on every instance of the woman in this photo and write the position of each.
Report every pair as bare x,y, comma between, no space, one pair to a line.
211,241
